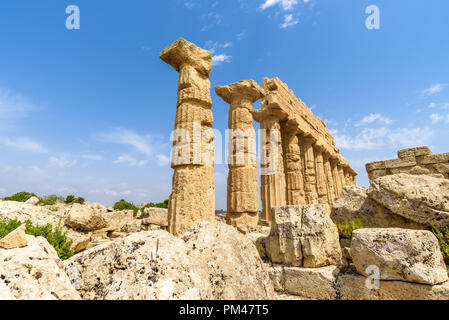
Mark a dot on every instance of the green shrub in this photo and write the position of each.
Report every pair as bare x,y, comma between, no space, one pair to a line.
50,200
443,240
345,228
125,205
70,199
20,196
163,204
55,236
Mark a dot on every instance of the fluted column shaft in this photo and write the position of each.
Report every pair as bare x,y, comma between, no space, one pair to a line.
321,180
310,189
272,168
293,168
329,178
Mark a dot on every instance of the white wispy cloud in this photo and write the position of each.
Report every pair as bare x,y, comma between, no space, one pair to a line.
241,35
285,4
214,46
23,144
373,117
61,162
162,160
191,4
435,118
130,160
142,143
369,138
435,88
220,58
289,21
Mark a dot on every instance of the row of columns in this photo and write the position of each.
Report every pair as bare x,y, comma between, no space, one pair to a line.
311,174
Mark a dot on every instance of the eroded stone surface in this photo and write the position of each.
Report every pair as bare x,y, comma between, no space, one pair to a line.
422,199
35,272
303,236
212,261
399,254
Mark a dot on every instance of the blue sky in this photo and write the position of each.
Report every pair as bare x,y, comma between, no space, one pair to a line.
90,111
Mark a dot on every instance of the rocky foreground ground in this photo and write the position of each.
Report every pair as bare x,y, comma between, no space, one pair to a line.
120,255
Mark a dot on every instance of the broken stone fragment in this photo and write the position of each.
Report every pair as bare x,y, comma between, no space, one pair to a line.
15,239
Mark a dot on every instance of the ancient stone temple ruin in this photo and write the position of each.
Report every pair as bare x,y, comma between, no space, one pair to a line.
300,163
193,191
308,167
418,160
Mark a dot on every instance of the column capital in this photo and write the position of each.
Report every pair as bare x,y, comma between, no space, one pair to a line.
244,90
184,53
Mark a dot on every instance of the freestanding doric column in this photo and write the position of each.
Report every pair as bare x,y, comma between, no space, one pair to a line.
329,179
292,164
272,177
321,180
193,193
310,189
243,199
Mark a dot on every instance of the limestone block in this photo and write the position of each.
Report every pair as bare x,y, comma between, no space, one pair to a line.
422,199
303,235
400,163
14,239
84,217
414,152
435,158
400,254
156,216
378,165
312,283
353,287
33,201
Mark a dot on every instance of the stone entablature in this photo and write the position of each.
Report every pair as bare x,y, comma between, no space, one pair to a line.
418,160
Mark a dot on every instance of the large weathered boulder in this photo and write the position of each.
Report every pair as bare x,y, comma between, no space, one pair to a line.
142,266
419,198
400,254
21,211
303,235
354,203
85,217
212,261
231,260
15,239
35,272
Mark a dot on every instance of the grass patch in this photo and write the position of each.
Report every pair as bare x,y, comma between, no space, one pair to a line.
345,228
163,205
55,236
443,240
